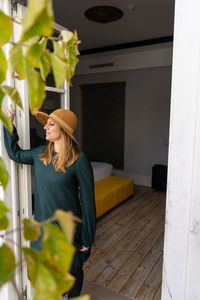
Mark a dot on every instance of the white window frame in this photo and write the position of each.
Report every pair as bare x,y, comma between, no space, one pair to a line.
23,128
11,193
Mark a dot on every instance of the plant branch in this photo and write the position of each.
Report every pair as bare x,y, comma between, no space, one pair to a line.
14,20
52,38
11,241
52,219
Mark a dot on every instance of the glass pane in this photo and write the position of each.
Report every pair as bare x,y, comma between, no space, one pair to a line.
37,134
50,79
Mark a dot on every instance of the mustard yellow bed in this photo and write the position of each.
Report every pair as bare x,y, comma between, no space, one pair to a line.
111,191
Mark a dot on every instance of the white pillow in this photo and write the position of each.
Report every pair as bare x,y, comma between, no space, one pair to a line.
101,170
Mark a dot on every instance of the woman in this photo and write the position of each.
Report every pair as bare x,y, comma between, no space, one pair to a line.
60,170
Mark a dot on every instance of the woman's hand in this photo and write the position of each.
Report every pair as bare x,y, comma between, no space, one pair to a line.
9,112
84,249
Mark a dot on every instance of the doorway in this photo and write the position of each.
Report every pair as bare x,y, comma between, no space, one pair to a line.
131,235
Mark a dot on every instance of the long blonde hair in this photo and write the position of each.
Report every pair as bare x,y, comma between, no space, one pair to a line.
68,153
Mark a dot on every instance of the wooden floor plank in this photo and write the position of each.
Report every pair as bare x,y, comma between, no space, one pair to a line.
126,246
123,276
139,194
106,257
115,232
147,290
140,274
157,294
129,244
129,205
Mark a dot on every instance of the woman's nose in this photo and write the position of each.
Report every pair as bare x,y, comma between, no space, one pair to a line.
45,127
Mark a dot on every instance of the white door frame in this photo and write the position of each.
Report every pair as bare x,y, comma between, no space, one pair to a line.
181,267
11,193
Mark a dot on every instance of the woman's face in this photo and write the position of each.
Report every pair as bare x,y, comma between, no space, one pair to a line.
53,131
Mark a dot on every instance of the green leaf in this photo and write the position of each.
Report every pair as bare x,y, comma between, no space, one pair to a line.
59,67
13,94
33,55
45,285
66,35
32,41
5,28
4,222
66,221
38,20
2,95
4,118
72,52
7,264
3,66
35,51
32,230
45,65
43,43
36,91
17,62
59,49
40,276
3,208
32,257
6,121
63,282
74,42
4,176
59,253
73,60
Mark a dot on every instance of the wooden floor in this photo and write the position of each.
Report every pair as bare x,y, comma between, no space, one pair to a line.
127,256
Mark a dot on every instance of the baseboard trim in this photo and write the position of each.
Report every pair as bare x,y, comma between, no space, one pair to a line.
138,179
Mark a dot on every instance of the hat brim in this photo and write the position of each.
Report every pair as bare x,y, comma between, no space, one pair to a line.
43,118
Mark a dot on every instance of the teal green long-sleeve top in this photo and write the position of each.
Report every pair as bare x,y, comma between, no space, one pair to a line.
59,190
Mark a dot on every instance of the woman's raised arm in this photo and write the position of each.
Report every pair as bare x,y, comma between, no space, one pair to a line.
11,143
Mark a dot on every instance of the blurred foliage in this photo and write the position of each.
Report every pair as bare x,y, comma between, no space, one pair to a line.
30,59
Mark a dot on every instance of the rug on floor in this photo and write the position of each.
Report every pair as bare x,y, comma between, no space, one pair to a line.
98,292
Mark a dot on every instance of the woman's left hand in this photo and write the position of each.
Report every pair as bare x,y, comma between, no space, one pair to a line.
9,112
84,249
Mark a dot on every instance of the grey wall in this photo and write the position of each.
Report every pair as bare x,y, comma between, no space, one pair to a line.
147,108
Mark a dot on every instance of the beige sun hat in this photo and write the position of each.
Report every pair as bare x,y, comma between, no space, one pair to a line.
65,118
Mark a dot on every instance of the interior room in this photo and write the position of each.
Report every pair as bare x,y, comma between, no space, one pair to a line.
121,94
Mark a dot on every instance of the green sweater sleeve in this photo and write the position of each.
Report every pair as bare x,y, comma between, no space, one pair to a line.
13,149
85,178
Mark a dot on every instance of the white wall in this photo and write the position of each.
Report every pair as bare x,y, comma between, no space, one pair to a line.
146,116
127,59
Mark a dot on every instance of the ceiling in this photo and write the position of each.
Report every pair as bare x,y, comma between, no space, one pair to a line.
142,20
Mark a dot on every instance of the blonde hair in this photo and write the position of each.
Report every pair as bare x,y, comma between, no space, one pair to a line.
67,155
